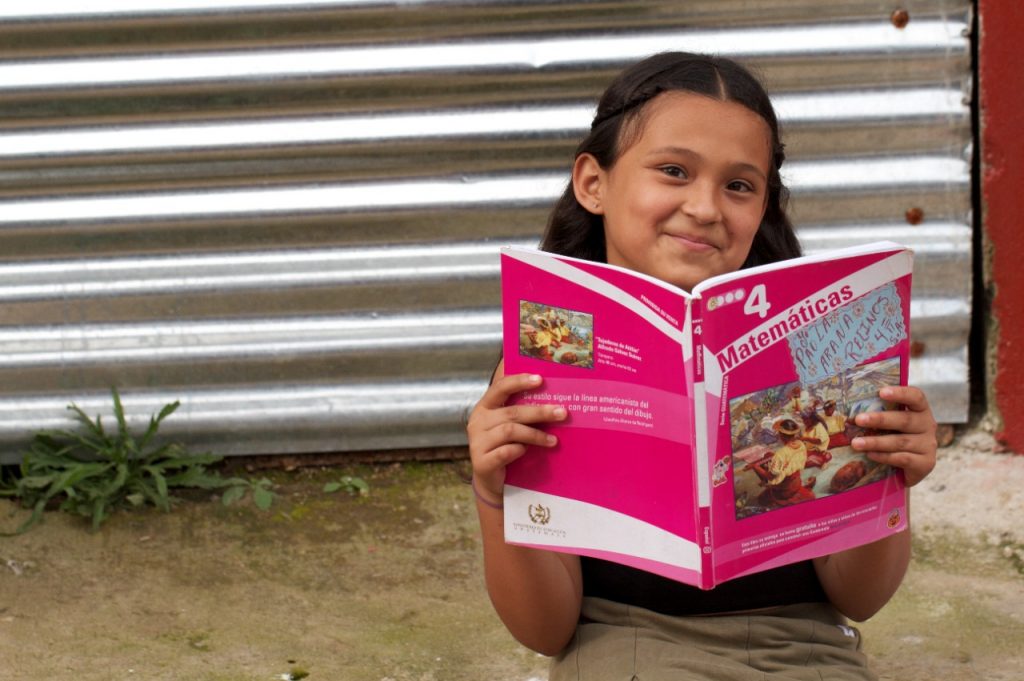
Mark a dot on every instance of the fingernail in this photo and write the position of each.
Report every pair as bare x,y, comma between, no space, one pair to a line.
552,440
535,378
560,412
857,442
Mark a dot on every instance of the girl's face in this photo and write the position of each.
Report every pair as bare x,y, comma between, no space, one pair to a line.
684,201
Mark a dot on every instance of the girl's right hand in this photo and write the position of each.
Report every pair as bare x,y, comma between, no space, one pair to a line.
499,434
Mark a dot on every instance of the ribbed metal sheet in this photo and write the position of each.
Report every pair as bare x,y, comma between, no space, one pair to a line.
286,213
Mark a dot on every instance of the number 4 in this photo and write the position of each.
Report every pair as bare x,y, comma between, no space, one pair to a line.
757,301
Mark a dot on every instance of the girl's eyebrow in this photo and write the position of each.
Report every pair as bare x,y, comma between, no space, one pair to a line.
683,151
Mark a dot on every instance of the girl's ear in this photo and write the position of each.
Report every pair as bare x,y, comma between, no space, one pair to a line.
588,180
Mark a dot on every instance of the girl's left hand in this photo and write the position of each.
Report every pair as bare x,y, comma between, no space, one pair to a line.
911,444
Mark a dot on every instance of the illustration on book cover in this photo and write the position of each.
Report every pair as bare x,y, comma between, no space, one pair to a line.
556,334
791,442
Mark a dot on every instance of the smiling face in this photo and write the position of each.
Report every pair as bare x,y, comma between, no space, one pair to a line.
683,202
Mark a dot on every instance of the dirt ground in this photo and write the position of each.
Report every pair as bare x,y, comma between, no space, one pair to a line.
387,587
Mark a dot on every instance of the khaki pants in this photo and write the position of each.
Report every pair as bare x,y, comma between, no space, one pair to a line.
807,642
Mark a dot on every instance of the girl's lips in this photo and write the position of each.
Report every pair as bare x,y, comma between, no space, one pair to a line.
692,243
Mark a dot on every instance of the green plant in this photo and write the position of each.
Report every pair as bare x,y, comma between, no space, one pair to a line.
92,471
262,493
350,484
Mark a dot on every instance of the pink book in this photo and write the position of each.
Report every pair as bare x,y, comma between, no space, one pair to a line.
708,432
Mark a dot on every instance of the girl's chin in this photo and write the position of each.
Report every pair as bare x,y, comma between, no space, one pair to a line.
688,275
685,282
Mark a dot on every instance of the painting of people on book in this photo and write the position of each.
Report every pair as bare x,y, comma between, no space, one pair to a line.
791,443
556,334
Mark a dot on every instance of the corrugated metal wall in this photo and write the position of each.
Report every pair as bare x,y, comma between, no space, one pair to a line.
286,214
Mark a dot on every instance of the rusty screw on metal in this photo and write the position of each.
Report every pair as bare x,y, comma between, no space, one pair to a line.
915,216
900,18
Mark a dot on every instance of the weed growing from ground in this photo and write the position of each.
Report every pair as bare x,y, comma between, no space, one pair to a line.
348,483
263,494
91,471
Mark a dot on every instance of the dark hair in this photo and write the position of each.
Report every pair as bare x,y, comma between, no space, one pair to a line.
574,231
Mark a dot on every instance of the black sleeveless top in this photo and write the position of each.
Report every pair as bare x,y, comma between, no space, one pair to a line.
786,585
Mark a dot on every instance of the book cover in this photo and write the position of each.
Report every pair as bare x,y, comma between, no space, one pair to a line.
709,432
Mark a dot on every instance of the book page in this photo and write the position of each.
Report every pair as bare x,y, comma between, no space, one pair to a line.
610,347
792,355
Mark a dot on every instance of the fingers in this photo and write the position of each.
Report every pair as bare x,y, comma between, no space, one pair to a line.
491,411
505,387
508,434
910,442
915,466
916,418
499,434
912,398
481,420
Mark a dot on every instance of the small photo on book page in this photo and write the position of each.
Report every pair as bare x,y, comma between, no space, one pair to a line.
556,334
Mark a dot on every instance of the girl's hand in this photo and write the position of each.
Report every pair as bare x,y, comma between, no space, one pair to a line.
500,434
912,444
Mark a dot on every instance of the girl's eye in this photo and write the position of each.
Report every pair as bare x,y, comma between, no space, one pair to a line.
674,171
740,186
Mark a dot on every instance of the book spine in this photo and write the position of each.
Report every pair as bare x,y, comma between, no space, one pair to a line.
698,344
702,456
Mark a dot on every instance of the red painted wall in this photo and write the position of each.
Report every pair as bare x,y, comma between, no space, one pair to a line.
1001,82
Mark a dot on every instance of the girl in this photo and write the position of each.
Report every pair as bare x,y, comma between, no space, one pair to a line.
679,179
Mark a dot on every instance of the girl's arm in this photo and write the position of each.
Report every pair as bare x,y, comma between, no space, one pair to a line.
861,580
536,593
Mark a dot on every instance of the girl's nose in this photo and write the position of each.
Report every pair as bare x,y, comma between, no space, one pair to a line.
701,204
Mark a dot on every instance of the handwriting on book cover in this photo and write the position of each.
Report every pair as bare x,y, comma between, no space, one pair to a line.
847,336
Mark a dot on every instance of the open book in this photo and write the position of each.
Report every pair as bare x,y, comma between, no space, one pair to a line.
708,432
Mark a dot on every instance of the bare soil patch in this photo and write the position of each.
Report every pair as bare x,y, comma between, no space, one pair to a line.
388,587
